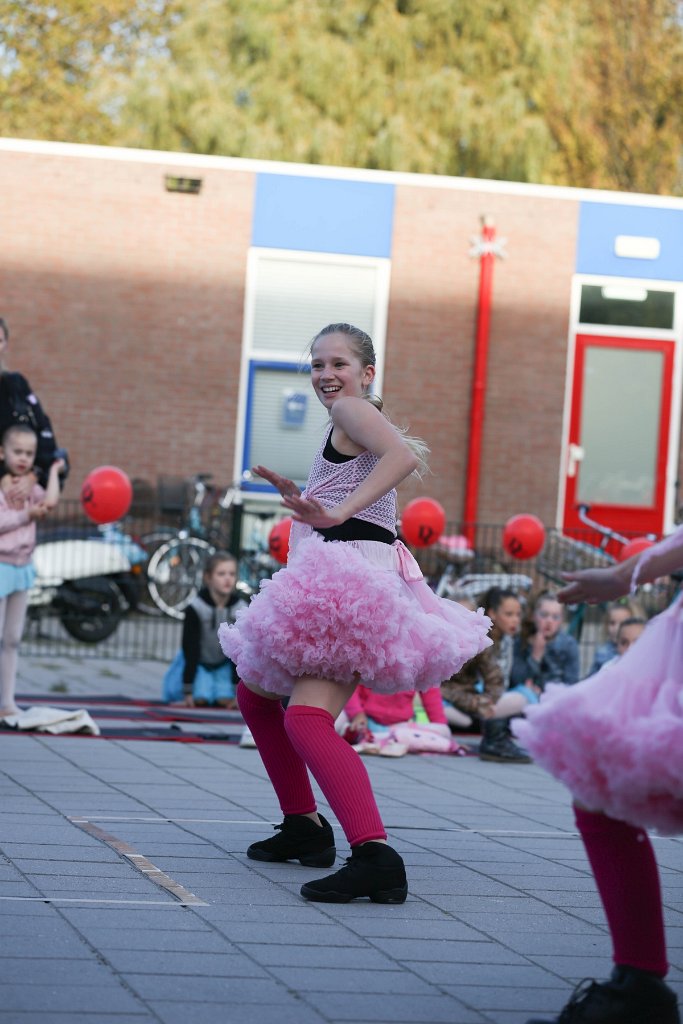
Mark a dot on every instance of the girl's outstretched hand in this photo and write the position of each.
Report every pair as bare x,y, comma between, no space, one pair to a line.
592,586
287,488
311,512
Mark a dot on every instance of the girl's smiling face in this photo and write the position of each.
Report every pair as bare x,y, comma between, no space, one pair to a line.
548,617
336,370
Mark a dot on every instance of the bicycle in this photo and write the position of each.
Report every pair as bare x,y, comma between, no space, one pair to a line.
176,566
194,513
454,582
562,553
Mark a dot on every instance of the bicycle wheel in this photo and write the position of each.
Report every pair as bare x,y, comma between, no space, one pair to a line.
174,573
153,539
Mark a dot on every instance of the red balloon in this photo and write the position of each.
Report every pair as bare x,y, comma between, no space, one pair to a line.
423,521
278,540
634,547
523,536
106,494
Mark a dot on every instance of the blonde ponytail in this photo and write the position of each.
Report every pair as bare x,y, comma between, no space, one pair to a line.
417,446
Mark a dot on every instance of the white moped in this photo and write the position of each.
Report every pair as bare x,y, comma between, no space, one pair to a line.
88,577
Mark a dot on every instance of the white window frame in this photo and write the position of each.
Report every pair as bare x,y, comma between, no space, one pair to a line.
251,353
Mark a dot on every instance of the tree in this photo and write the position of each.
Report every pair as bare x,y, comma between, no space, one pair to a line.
574,92
435,86
57,61
561,91
615,108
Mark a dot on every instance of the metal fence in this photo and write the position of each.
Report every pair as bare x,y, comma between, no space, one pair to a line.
118,590
100,591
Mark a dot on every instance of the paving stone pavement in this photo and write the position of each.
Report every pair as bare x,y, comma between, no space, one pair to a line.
126,896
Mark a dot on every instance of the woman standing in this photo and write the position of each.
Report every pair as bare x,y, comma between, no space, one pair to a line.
19,406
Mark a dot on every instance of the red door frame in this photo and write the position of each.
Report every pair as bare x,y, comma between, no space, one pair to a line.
625,519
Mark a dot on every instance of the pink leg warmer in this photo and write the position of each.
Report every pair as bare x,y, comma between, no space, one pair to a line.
339,771
627,877
286,770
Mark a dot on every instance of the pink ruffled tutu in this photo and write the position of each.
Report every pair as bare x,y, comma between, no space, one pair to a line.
616,739
350,612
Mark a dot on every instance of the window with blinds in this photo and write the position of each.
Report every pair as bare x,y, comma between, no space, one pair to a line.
295,297
290,296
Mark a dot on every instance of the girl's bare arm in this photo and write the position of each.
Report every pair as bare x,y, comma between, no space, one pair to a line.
367,428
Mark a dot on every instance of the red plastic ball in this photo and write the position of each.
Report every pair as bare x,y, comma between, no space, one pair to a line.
106,494
523,536
278,540
422,522
634,547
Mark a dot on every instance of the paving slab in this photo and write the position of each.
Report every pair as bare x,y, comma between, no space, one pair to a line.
501,922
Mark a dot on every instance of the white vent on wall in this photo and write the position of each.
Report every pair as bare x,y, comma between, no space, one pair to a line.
637,247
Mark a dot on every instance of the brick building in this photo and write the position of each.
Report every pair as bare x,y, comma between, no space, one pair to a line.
164,328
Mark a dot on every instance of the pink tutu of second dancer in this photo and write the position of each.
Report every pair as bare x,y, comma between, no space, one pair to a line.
351,612
616,739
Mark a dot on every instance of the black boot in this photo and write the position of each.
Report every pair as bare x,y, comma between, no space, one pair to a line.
629,997
298,838
373,870
497,743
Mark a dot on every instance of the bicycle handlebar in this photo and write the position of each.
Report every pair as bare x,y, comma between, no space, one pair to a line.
607,532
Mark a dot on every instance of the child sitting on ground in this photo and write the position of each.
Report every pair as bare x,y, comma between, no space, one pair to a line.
629,631
616,613
200,674
385,723
544,652
479,691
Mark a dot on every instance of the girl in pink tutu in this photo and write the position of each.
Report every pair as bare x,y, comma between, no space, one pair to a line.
350,605
616,740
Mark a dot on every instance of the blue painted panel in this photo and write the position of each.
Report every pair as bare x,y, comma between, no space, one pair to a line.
353,218
599,225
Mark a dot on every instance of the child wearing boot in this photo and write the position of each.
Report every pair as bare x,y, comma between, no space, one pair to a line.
480,688
351,604
629,781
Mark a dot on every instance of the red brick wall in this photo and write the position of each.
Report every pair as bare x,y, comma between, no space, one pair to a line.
125,304
125,307
430,343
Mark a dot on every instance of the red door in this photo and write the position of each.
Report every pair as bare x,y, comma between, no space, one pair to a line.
619,433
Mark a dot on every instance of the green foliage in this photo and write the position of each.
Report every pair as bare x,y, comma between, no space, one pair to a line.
617,117
56,59
561,91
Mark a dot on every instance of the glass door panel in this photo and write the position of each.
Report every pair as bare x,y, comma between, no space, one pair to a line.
618,436
620,419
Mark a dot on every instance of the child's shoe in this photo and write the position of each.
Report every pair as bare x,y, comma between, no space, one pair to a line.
497,743
374,870
630,996
298,838
246,739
